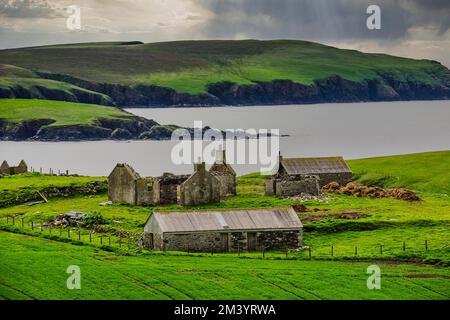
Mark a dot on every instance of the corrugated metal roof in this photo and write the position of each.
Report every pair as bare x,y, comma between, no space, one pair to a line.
296,166
219,220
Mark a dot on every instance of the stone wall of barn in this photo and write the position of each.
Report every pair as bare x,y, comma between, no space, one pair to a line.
224,241
273,240
200,242
289,188
342,178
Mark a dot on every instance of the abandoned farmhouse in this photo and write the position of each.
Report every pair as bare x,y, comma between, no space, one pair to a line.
224,230
6,169
307,175
126,186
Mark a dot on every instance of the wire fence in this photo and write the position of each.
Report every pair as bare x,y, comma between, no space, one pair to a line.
133,241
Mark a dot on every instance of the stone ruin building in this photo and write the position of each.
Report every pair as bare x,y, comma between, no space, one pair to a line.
126,186
307,175
223,230
225,174
201,187
6,169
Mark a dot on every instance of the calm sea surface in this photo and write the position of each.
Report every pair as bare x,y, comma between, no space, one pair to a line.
354,130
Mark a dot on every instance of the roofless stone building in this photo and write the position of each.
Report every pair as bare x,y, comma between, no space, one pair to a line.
307,175
126,186
6,169
223,230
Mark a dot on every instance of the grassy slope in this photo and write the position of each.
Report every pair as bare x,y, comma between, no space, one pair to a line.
188,66
425,172
16,78
65,113
33,268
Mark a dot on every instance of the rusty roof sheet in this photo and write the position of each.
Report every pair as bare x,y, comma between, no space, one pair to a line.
306,166
220,220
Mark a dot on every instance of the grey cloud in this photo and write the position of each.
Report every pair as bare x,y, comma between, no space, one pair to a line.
27,9
323,19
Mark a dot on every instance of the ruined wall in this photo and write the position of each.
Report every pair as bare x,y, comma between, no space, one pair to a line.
341,178
4,168
165,188
293,187
201,188
270,187
227,184
121,187
144,192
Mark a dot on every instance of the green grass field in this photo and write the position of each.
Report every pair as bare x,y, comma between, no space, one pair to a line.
400,227
189,66
33,268
64,113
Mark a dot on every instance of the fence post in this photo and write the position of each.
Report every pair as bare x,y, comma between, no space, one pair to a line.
90,236
14,220
426,245
404,246
68,232
332,251
60,232
264,253
32,225
356,250
22,222
239,250
41,228
79,235
309,249
101,240
7,219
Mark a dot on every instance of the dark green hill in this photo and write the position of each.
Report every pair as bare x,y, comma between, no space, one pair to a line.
230,72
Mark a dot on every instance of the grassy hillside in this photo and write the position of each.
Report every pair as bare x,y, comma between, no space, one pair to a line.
33,268
425,172
189,66
64,113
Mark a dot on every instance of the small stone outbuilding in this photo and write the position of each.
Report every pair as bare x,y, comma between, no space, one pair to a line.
6,169
307,175
223,230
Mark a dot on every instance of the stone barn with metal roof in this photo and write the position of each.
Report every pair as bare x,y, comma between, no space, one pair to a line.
223,230
307,175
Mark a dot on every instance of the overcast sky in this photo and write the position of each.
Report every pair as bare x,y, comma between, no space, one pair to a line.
413,28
